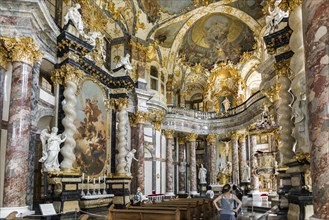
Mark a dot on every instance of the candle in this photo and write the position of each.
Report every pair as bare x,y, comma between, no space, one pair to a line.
88,179
83,177
94,181
99,179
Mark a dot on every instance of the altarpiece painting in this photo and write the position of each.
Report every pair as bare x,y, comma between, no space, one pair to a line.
92,123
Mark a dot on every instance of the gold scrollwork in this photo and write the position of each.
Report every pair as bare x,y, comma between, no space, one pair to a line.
157,117
283,67
191,137
211,138
120,103
4,57
169,134
302,156
142,117
21,49
66,73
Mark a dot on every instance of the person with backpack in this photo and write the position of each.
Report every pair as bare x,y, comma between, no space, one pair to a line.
224,203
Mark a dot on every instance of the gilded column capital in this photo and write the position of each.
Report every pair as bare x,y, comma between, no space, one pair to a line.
211,138
132,120
120,103
234,136
290,5
242,138
66,73
181,140
191,137
108,105
4,57
157,116
142,117
283,68
169,134
22,49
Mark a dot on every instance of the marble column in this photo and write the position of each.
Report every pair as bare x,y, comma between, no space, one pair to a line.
316,43
285,111
235,159
193,181
24,53
141,118
3,68
254,165
71,78
242,153
169,163
122,105
211,140
34,135
134,145
182,166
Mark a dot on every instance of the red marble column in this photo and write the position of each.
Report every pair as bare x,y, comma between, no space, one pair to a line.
182,166
24,52
211,139
253,159
235,159
316,41
193,181
141,117
17,150
2,86
169,163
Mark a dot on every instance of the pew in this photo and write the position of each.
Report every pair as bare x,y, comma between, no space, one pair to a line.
129,214
185,212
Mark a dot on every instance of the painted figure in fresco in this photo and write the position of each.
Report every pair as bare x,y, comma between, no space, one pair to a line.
129,157
202,174
74,15
50,148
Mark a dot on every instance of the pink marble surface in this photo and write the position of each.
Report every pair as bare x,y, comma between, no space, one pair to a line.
140,156
254,176
2,80
17,150
193,181
169,167
235,162
182,168
316,24
212,162
242,153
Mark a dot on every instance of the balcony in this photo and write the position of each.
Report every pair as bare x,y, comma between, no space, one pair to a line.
192,121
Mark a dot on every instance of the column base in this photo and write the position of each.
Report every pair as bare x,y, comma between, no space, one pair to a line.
169,194
120,187
194,193
21,211
203,189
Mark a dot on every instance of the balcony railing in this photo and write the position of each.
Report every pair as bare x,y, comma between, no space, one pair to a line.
214,115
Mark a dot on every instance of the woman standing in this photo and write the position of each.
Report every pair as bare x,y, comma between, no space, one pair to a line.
225,204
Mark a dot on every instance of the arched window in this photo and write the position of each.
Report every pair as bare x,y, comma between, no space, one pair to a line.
154,78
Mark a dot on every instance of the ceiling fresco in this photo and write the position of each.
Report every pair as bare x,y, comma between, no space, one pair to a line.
251,7
167,35
174,6
216,38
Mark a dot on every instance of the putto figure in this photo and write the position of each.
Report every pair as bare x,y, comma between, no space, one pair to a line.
50,148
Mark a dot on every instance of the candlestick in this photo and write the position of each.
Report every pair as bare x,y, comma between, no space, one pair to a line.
83,177
104,191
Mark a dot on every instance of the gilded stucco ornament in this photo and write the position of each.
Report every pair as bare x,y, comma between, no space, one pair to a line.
120,103
4,58
272,93
289,4
142,117
211,138
66,73
169,134
22,49
191,137
302,156
157,116
283,68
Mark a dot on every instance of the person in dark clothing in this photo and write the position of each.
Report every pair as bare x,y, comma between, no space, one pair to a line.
238,192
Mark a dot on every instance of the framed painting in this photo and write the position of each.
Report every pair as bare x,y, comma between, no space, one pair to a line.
92,149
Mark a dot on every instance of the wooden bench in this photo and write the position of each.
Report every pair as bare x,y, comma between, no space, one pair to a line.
185,212
194,206
129,214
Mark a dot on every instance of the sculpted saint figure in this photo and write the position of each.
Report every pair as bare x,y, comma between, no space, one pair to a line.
202,174
50,148
275,17
245,173
125,62
74,15
129,157
226,103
